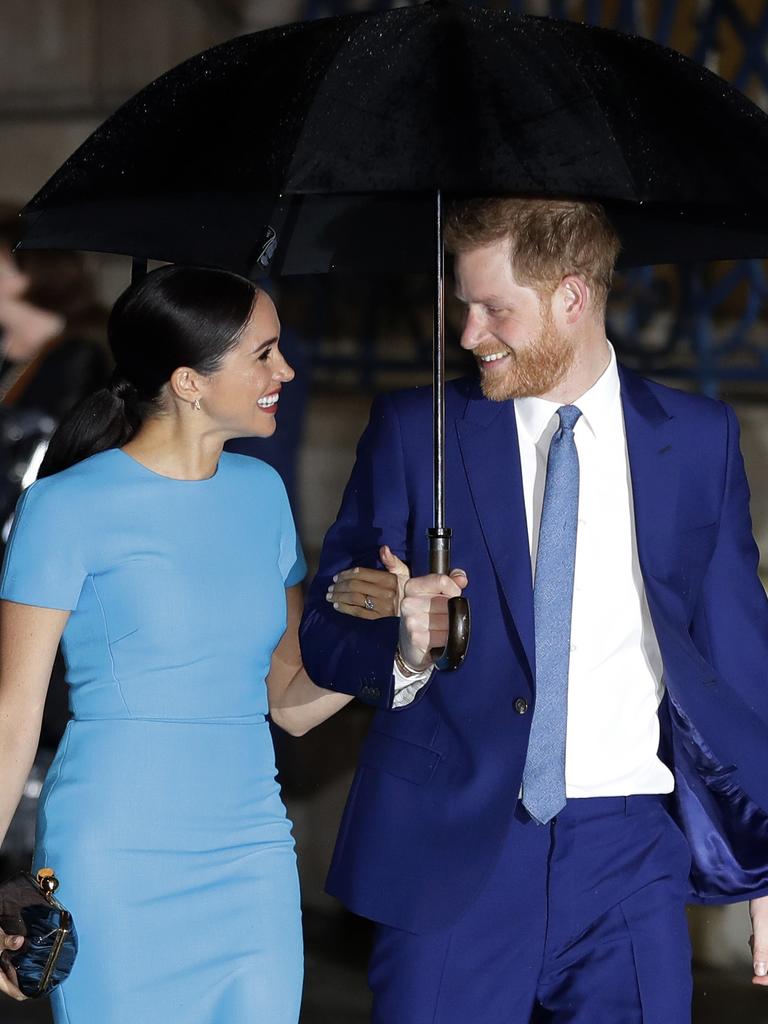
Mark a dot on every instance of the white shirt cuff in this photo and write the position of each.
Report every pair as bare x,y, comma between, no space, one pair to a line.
407,687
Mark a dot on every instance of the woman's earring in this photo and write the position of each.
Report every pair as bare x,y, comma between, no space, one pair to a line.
196,404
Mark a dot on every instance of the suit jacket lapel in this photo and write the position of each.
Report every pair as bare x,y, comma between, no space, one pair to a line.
488,434
654,469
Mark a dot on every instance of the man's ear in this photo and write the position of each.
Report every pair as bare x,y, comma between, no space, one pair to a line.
184,384
573,297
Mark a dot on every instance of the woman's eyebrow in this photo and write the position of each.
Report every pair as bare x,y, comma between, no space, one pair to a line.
264,344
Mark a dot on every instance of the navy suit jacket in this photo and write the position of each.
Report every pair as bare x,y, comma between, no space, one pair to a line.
438,780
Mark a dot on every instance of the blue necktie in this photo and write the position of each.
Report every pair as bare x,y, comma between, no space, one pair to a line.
544,772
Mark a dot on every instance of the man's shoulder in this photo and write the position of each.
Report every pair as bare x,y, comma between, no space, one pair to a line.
683,405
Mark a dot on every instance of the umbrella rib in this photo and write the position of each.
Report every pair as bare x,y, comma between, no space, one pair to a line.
595,29
323,83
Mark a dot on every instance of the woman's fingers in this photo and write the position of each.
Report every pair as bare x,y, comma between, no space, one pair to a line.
357,611
378,577
372,590
377,605
358,586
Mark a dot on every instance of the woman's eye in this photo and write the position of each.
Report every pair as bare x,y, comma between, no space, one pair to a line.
265,355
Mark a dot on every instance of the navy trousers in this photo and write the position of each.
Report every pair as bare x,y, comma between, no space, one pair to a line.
582,921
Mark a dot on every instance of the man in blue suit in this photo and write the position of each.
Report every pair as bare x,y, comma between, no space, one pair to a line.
527,830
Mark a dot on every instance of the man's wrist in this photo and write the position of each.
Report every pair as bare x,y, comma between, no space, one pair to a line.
405,668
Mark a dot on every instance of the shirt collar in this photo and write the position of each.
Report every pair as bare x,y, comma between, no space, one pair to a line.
598,405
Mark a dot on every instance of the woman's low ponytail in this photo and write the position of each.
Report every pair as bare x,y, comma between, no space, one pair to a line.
108,418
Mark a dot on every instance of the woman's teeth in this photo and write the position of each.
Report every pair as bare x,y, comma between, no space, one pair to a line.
267,401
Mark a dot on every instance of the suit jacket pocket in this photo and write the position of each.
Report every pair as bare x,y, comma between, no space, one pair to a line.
399,757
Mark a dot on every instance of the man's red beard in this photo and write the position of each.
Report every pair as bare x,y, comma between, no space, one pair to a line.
533,370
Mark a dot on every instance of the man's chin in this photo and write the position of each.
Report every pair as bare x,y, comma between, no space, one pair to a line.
505,390
516,385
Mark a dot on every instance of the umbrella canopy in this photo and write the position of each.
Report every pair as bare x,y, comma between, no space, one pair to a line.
326,134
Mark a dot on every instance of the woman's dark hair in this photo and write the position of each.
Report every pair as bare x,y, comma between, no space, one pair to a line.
174,316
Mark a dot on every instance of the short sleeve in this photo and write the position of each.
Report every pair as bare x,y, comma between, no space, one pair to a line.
43,562
293,565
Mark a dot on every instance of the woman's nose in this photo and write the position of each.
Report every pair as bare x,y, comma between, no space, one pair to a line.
284,372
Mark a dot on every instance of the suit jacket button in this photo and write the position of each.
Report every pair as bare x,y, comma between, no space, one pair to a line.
521,705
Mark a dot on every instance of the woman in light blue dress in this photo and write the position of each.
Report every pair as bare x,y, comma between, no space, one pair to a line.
171,568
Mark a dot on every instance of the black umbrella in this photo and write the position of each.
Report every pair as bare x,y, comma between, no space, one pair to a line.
328,144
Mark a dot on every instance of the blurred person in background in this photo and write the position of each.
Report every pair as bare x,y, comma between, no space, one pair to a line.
52,353
52,348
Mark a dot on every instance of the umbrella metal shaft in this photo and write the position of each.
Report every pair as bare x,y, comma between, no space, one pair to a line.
439,535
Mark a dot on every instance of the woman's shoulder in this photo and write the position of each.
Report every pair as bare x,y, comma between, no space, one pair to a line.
80,480
250,471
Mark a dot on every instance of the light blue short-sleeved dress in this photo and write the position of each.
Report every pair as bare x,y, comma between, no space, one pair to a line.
160,814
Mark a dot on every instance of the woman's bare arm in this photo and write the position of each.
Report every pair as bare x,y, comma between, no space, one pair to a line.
29,637
296,704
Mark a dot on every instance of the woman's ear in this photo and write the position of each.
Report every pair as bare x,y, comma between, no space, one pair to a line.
184,384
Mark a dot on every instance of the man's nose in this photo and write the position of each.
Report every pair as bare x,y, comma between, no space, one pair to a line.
472,334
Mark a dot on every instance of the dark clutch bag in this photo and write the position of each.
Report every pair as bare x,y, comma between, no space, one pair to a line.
28,908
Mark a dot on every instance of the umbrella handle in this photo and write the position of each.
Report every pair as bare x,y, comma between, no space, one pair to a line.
455,650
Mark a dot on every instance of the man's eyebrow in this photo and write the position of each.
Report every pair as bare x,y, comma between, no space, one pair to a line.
487,300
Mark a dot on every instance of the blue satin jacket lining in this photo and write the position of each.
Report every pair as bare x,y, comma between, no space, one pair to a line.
726,830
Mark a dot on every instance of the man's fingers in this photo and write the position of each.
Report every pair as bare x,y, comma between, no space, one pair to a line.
759,957
460,578
434,585
392,563
758,909
411,607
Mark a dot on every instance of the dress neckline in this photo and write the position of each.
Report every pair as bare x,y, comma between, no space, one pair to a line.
170,479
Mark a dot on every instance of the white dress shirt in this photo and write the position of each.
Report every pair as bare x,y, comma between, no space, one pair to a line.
615,681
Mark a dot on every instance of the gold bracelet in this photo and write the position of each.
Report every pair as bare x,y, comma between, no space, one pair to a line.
404,667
